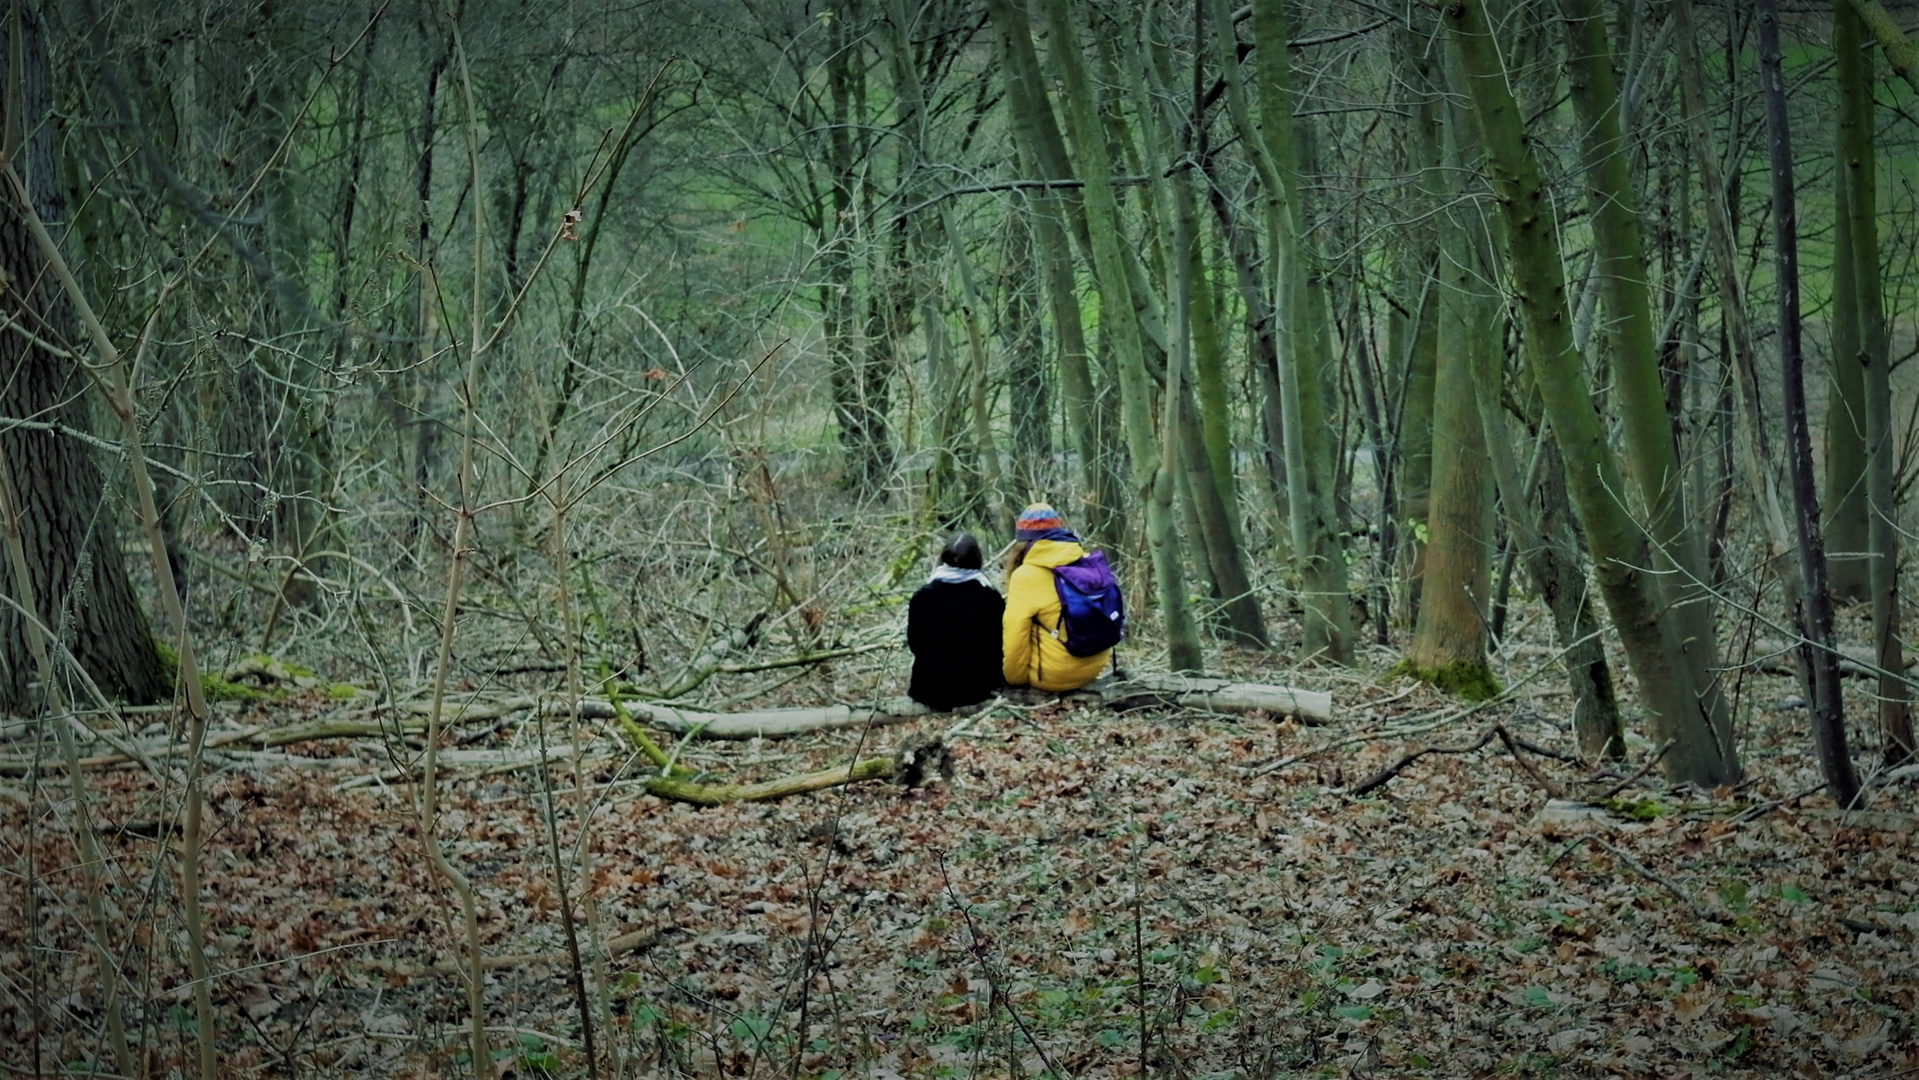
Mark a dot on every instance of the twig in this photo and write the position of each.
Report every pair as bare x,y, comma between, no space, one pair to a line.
1539,778
116,386
1439,718
1640,868
1754,813
1641,771
1380,778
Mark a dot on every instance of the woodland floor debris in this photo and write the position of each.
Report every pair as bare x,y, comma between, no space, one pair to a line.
1455,923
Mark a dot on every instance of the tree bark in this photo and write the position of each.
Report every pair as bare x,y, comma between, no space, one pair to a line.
1035,127
1899,48
1306,365
1449,638
1205,426
70,524
1029,383
1847,529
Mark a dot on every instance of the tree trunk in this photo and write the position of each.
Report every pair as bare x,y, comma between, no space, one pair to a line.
1818,655
1205,430
1151,475
70,523
1847,531
1262,350
1702,750
1449,639
1858,161
1638,386
1029,383
1058,214
1419,336
859,379
1306,367
1761,467
1899,48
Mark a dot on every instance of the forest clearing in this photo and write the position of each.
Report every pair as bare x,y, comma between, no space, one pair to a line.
979,538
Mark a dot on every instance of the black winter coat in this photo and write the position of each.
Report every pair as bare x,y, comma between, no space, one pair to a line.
953,629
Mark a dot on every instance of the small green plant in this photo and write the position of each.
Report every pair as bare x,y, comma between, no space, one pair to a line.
1733,895
532,1055
1635,809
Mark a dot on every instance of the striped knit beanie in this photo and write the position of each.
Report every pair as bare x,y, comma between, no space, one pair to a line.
1041,522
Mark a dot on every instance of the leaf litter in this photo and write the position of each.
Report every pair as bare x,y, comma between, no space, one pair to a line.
1084,876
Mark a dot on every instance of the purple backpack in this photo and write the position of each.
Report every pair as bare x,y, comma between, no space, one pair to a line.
1092,613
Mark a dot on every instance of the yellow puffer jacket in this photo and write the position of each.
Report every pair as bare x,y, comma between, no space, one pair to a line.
1032,655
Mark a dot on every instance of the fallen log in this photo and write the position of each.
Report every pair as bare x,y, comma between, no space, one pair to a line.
1216,695
260,737
775,723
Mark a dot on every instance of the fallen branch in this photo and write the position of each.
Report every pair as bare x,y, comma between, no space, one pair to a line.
911,765
1217,695
261,737
803,659
1640,868
1639,772
1513,744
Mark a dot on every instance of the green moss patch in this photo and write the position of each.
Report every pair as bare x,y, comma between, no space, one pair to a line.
218,689
1463,679
1634,809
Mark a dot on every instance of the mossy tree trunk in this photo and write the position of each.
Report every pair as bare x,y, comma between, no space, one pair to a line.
1680,712
1151,475
1242,244
1449,638
1058,213
1534,503
1205,427
1638,387
1306,367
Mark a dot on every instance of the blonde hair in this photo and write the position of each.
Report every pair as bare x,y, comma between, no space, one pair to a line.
1016,554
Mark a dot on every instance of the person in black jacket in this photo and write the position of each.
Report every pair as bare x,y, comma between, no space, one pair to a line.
953,628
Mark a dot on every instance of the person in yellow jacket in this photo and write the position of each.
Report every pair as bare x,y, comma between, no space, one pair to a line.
1031,650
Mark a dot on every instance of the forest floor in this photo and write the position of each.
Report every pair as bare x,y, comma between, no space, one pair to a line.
1086,881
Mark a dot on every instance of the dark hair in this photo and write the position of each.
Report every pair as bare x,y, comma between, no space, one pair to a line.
963,552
